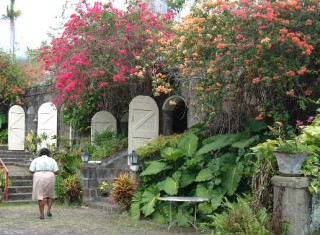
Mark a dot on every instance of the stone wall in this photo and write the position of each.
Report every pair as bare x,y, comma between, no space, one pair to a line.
93,174
35,97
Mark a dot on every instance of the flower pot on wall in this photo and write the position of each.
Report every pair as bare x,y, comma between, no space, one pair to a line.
290,163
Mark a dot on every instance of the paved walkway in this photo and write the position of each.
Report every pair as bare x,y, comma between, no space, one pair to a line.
22,219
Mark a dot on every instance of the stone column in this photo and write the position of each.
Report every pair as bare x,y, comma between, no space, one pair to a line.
292,197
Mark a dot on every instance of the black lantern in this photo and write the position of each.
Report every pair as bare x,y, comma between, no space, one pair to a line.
85,156
133,158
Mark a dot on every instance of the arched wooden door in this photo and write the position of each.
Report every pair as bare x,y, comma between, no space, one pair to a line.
102,121
16,128
47,123
143,122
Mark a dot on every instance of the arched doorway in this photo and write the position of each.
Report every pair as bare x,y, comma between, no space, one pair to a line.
16,128
175,115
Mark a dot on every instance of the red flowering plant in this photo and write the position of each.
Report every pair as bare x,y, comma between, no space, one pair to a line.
102,46
12,81
254,56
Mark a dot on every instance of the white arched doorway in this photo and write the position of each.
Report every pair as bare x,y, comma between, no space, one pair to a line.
143,122
16,128
47,123
103,121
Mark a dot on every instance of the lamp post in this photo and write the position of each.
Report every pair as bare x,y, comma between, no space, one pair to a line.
133,160
85,156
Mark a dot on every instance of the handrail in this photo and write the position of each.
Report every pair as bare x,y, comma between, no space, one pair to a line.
7,179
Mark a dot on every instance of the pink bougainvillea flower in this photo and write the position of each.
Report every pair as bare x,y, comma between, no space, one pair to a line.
309,22
260,117
103,84
221,45
256,80
310,119
291,92
299,123
308,92
302,70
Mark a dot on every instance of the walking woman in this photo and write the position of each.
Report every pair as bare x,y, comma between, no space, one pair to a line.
44,169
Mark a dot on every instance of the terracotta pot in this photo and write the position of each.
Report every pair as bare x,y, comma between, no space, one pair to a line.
290,163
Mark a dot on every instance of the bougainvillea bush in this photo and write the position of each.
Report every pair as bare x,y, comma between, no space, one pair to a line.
102,46
12,81
257,57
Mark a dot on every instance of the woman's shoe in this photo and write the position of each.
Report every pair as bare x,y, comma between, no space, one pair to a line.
41,217
49,214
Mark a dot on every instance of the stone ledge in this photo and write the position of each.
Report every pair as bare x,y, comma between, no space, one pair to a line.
291,182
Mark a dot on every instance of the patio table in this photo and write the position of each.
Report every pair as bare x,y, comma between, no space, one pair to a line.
192,200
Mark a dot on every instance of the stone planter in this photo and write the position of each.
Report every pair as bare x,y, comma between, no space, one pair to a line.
290,163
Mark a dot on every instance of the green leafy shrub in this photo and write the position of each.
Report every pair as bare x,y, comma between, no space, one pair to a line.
68,165
214,168
3,128
107,143
152,149
311,168
239,218
4,136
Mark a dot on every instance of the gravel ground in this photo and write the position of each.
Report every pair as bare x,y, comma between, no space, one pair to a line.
23,219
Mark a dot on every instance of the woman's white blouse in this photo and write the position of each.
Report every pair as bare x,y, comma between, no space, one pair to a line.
43,163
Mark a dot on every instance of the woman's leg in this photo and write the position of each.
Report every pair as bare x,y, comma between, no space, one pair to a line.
41,204
49,203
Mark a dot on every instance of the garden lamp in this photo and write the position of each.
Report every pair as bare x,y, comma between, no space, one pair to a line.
85,156
133,158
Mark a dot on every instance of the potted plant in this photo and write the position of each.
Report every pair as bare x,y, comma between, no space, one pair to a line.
290,154
104,188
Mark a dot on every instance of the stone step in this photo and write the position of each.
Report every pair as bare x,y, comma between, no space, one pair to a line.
20,196
20,189
26,182
19,201
14,159
105,204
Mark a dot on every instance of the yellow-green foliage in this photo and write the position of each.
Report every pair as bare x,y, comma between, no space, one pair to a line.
153,148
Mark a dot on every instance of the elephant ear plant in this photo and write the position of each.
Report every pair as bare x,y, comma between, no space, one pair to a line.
213,168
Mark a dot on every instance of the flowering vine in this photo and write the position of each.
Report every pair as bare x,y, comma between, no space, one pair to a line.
101,46
258,57
12,81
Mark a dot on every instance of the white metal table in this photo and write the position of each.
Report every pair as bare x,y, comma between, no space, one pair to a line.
192,200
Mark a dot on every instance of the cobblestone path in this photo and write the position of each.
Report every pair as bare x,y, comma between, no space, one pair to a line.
23,219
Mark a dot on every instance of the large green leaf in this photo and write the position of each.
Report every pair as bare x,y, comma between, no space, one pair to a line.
205,208
135,205
218,142
186,178
188,144
148,200
216,198
154,168
171,184
202,191
245,142
204,175
231,177
170,153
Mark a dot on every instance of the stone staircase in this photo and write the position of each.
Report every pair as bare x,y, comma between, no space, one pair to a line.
20,189
17,162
